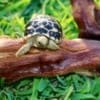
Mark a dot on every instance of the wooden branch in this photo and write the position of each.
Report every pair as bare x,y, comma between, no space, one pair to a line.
77,55
87,16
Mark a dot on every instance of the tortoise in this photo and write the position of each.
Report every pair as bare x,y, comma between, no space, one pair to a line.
42,31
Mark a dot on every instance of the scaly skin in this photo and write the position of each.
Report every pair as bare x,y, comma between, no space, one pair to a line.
37,41
52,45
26,47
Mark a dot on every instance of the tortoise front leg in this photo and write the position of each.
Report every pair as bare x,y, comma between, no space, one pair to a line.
52,45
26,47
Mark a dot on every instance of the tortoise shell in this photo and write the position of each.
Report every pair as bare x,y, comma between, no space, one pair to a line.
44,25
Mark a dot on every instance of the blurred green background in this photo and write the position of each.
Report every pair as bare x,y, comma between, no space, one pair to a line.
14,14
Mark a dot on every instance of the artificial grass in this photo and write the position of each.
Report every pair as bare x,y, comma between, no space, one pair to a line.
14,14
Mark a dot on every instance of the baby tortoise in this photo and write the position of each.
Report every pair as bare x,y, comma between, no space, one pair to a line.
42,31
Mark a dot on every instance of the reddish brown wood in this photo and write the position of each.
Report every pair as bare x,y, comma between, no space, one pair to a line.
87,16
75,55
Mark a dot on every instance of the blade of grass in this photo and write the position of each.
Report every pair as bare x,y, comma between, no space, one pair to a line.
35,89
68,92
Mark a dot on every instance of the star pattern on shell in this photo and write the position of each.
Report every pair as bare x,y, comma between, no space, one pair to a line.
44,25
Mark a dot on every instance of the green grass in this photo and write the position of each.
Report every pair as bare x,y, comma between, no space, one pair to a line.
14,14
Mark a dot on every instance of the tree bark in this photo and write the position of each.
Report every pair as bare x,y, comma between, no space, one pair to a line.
87,16
77,55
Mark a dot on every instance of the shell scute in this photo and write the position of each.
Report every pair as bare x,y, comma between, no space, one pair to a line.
44,25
